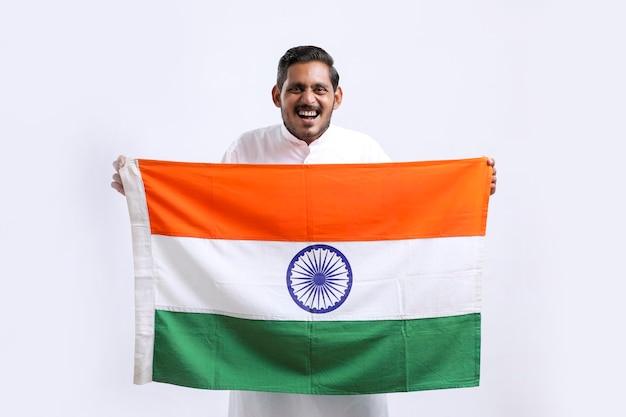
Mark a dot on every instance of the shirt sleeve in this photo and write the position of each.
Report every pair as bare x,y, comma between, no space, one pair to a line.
230,155
376,154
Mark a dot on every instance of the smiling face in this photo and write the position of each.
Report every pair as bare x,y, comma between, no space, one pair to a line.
307,100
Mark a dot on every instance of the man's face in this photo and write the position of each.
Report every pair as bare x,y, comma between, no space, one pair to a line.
307,100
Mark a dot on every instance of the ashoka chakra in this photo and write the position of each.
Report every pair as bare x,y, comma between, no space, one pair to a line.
319,278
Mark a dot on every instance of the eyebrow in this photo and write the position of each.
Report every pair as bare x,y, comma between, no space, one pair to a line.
302,85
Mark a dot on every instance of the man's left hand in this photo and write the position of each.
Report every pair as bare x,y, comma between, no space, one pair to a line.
492,163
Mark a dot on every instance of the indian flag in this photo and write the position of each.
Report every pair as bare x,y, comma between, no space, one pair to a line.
315,279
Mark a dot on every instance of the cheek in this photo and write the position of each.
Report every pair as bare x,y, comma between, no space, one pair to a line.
287,102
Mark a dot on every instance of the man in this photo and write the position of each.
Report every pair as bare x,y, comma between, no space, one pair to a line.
307,91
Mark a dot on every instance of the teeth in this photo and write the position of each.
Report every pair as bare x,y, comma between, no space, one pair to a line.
311,113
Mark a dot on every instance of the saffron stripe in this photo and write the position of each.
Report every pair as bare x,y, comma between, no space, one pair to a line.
339,202
218,352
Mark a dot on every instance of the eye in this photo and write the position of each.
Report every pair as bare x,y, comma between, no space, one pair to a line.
321,90
294,90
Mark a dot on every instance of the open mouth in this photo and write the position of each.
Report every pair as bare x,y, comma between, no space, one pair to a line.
307,114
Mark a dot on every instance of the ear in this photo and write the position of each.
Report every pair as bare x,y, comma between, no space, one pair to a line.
338,98
276,96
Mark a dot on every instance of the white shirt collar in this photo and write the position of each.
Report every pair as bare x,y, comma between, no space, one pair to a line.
291,138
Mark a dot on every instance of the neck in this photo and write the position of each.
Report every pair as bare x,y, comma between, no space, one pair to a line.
309,139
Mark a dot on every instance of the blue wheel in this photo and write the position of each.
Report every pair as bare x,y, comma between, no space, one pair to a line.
319,278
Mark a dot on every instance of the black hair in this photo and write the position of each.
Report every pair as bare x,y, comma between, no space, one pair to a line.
302,54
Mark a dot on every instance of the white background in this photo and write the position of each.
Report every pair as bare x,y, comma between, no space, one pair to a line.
538,85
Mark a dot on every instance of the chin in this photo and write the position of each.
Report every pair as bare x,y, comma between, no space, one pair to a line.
308,133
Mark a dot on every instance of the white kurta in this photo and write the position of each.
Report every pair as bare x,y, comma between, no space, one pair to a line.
275,145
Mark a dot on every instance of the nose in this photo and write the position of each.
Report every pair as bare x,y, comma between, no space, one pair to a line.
308,97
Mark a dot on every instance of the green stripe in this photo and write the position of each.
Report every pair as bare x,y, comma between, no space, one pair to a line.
355,357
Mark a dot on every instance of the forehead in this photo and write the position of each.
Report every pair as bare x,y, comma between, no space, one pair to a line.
314,72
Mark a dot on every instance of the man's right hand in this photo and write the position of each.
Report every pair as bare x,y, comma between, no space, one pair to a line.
117,180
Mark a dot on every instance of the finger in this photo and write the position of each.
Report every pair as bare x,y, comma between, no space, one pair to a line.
119,162
118,187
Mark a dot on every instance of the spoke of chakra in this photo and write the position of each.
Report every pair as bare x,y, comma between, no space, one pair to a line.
310,293
318,255
303,282
303,271
328,267
305,275
304,288
313,263
332,276
330,295
319,297
312,296
327,259
327,253
335,287
306,266
331,272
336,290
